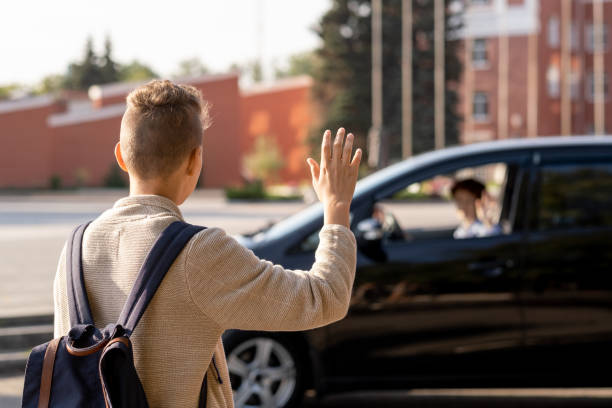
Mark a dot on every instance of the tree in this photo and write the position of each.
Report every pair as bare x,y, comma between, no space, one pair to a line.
92,69
50,84
82,75
265,160
108,67
251,70
191,67
343,80
136,71
305,63
9,91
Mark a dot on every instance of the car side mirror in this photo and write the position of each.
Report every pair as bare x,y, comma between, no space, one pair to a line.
369,235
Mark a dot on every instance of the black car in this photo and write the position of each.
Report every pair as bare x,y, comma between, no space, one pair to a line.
529,305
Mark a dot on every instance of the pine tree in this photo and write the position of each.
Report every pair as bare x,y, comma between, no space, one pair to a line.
109,68
343,79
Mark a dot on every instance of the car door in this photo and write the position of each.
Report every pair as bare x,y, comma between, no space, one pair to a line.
431,309
567,288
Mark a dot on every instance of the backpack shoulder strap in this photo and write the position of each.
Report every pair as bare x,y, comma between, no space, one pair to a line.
165,250
78,306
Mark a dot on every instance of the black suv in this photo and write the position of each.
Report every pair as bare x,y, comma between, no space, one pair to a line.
527,306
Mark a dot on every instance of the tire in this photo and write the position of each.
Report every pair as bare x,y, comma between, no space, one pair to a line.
266,370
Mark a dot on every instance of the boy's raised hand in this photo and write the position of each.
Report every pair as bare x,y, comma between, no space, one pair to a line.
334,180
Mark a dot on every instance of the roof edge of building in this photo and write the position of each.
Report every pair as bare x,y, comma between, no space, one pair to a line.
278,86
74,118
27,103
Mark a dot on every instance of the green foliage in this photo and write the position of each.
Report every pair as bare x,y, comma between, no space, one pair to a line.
136,71
343,79
108,67
7,91
50,84
96,70
251,70
55,182
93,70
252,191
255,190
115,178
191,67
305,63
87,72
265,160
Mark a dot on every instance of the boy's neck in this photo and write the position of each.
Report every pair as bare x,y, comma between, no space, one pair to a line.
156,187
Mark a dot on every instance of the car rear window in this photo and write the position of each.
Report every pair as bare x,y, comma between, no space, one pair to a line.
575,196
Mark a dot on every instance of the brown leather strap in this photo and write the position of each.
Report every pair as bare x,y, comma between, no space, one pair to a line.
47,373
121,339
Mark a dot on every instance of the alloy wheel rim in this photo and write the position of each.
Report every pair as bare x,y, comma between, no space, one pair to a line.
262,373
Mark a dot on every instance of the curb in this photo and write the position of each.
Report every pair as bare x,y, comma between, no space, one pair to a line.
18,335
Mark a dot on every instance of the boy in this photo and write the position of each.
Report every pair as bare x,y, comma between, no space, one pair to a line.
215,284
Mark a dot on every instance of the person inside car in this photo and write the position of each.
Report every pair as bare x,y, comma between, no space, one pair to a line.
472,201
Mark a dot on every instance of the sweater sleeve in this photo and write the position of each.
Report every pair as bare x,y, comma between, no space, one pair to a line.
60,299
238,290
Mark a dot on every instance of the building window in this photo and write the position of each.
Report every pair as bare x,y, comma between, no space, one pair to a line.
574,37
553,83
553,32
479,53
590,87
575,84
480,109
589,37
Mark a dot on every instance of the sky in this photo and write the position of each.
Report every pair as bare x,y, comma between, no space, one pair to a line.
42,37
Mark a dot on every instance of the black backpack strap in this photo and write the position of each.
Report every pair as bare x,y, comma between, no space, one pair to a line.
159,259
78,306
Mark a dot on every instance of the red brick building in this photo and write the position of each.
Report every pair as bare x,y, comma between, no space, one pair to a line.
72,138
528,68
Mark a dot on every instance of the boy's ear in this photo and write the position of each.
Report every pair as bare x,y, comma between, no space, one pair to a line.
194,157
119,157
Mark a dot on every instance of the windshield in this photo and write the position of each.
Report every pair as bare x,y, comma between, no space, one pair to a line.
295,221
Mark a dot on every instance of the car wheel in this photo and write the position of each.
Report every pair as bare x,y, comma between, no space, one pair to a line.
266,371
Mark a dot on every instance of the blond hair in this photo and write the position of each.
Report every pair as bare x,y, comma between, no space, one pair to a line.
161,126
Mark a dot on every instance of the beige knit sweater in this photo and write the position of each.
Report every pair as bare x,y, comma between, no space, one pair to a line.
215,284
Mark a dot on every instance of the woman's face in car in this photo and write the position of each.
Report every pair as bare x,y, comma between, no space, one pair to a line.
466,205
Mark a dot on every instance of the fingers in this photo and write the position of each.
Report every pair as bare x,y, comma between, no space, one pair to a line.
337,153
356,158
326,153
314,169
348,148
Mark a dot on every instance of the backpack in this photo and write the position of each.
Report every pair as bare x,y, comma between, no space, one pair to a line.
93,367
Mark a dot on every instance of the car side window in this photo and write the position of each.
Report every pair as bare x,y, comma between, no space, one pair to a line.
575,196
466,203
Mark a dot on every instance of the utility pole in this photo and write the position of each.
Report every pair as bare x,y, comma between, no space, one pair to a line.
406,78
502,81
374,136
532,85
566,68
598,69
439,83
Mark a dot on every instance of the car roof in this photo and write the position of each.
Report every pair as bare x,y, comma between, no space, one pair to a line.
457,152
